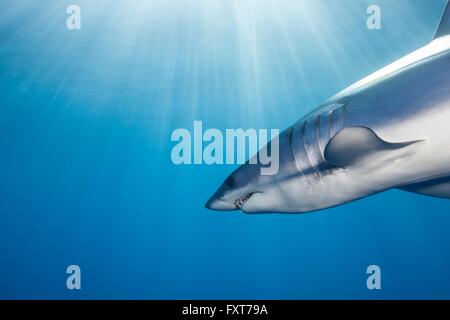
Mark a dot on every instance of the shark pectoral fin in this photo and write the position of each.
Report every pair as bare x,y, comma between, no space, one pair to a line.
435,188
356,144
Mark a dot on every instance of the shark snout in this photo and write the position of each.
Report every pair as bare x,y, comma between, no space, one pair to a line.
226,198
219,204
235,191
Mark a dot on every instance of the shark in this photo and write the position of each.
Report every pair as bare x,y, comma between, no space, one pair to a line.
389,130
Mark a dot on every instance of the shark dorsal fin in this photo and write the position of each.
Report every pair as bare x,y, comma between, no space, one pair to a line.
444,25
355,145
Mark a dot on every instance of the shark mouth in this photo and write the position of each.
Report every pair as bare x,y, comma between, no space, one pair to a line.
239,203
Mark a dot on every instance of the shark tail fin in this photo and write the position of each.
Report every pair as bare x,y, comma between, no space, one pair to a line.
444,25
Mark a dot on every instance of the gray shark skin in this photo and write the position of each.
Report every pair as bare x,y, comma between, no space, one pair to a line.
388,130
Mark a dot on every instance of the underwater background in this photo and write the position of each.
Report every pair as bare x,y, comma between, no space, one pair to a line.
86,175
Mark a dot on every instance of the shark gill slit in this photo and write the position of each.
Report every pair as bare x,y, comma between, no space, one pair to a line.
291,148
317,123
336,120
331,124
322,162
305,148
339,119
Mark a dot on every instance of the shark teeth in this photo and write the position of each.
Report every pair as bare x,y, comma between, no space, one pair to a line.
240,202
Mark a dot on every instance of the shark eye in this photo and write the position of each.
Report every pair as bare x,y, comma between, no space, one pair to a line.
229,181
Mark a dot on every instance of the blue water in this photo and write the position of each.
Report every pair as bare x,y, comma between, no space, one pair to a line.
86,176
